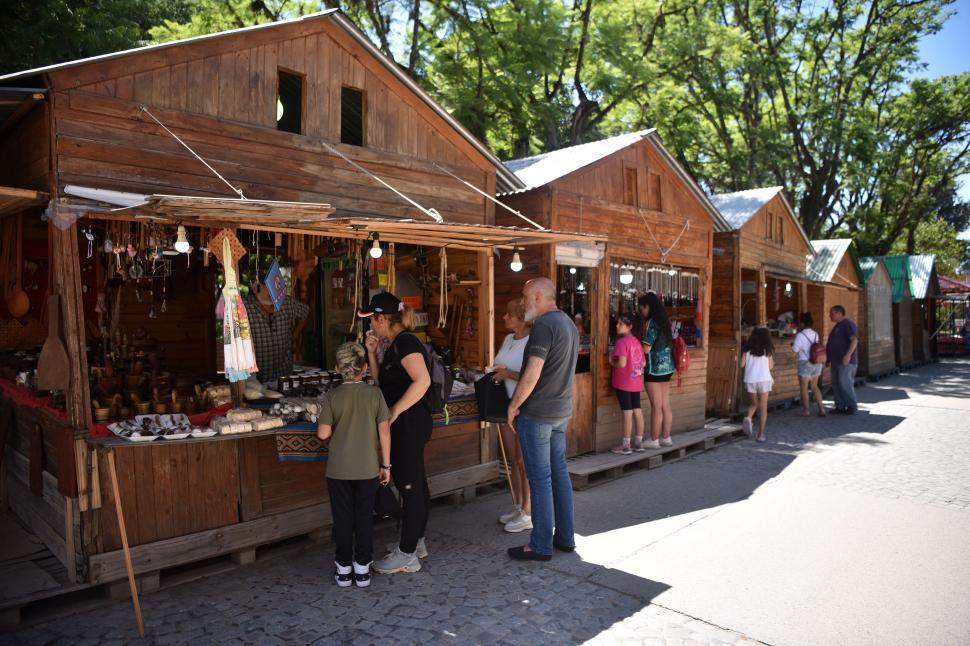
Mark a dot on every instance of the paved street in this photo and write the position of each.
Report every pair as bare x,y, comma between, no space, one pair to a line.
837,531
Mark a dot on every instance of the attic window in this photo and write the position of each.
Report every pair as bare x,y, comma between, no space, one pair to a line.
630,186
352,116
289,102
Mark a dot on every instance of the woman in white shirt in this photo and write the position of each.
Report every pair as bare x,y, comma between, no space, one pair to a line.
508,364
808,372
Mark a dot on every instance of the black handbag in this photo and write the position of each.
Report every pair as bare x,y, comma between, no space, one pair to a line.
386,504
493,399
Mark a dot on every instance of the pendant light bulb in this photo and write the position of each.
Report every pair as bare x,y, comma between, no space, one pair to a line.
626,276
672,271
572,270
516,264
375,249
182,240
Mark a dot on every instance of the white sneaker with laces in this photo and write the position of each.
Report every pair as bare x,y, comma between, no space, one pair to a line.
510,516
520,524
666,441
397,561
651,444
421,551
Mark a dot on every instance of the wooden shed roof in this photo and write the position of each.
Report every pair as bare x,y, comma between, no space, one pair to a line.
823,267
739,207
317,219
540,170
505,179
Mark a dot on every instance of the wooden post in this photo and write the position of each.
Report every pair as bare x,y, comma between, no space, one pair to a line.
124,542
762,297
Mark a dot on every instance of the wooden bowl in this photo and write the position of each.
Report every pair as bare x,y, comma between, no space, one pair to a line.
161,408
102,414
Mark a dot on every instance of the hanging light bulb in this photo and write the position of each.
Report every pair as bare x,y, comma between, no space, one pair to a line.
516,264
626,276
375,249
672,271
182,240
572,270
279,109
788,289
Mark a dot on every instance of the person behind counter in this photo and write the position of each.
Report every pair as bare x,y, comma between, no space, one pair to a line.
658,345
354,418
404,379
508,366
275,333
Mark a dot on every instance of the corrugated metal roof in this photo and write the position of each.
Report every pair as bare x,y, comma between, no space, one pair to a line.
539,170
828,255
921,270
867,265
505,180
899,272
737,208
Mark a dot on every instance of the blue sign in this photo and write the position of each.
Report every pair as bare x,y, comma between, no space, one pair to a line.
276,284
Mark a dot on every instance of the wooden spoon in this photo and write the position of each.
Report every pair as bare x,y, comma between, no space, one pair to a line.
53,368
18,304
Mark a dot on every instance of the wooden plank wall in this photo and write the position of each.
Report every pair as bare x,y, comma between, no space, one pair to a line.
25,152
757,249
220,97
726,287
169,490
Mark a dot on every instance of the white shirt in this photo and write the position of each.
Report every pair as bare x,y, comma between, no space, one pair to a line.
510,354
803,343
756,369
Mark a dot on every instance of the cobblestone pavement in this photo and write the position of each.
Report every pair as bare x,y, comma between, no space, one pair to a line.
468,592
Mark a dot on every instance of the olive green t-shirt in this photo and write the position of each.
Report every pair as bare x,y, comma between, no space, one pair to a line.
353,410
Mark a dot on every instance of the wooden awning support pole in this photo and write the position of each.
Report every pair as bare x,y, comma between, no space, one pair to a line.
124,542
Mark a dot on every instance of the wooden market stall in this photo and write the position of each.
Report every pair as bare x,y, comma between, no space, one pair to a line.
899,273
657,224
835,268
308,122
759,278
876,353
926,293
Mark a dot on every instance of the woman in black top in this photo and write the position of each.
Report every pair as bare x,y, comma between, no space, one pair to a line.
404,379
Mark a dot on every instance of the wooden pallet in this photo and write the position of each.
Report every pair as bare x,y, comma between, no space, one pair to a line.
885,374
588,470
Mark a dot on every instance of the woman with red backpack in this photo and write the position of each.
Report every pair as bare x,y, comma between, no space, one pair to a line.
811,359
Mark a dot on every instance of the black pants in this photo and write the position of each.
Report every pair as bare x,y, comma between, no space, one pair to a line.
352,506
409,433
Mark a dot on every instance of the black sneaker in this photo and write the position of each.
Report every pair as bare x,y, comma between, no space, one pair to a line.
343,579
362,575
522,554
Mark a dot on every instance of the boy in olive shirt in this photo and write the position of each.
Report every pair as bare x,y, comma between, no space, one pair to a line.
354,417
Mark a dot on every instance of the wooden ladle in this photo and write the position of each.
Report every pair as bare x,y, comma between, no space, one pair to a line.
18,304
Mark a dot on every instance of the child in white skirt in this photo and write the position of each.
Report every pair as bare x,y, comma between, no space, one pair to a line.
758,362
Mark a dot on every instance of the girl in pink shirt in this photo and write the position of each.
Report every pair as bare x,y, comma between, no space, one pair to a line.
628,361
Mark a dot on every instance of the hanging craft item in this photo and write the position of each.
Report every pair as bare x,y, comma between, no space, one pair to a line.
443,289
338,290
236,247
237,343
276,284
470,320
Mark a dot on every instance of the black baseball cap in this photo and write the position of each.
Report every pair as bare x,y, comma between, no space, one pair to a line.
383,303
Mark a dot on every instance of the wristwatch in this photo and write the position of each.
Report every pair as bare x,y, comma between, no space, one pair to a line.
386,466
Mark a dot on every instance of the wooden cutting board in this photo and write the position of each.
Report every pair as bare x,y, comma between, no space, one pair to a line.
53,368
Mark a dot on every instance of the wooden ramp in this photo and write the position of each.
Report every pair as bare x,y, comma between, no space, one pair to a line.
591,469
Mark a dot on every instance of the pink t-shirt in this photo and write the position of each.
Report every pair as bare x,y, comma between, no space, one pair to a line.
630,377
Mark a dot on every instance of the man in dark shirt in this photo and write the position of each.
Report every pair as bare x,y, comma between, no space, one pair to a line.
539,412
841,351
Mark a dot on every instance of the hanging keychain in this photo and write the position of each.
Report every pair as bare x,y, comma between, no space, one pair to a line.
90,237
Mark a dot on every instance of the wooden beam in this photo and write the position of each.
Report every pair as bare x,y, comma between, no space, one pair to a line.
26,105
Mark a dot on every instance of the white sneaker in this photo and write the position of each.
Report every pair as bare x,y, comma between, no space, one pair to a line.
666,441
342,575
651,444
520,524
510,516
361,575
421,550
397,561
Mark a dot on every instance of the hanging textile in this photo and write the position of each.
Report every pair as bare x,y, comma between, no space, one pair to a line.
237,343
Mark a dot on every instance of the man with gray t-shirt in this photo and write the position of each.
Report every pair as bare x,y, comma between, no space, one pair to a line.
539,412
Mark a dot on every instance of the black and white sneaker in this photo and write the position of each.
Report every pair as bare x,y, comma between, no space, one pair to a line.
361,575
343,575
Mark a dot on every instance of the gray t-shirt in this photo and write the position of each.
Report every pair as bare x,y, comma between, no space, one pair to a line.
555,339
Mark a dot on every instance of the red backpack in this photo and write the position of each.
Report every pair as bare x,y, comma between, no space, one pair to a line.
681,357
817,353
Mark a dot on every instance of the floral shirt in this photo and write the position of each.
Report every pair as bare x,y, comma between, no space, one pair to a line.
660,359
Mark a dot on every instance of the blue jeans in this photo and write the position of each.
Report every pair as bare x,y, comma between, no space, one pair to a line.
544,453
843,386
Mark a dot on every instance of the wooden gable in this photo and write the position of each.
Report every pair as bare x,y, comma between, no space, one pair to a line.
220,95
628,195
773,238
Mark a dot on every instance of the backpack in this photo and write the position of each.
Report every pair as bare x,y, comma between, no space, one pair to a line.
681,357
817,353
437,395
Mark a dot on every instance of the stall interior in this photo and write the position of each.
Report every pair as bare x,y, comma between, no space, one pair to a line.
678,287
